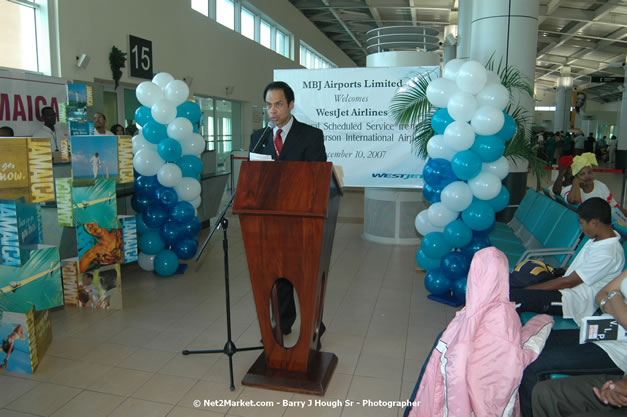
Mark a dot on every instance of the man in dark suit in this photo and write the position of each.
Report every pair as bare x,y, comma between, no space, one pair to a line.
289,140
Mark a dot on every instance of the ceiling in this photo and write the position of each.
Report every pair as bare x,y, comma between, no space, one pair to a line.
587,36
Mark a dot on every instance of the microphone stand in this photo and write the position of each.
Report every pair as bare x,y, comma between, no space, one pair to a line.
229,348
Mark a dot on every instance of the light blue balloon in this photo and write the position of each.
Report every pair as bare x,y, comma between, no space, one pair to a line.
189,110
509,128
501,201
457,234
151,243
466,165
488,148
166,263
169,149
440,120
478,216
143,115
190,165
425,262
154,132
434,245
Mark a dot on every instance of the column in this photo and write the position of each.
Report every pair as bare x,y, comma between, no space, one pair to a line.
464,22
621,128
563,99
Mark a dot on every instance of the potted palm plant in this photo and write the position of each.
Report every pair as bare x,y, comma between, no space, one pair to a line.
411,107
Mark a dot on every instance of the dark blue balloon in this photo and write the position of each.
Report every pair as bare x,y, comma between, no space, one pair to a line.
425,262
182,212
166,196
190,165
151,243
478,242
501,201
466,165
455,265
143,115
434,245
141,226
437,283
478,216
189,110
155,216
459,290
457,234
509,128
438,172
440,120
146,185
431,194
139,203
193,227
488,148
171,231
185,248
166,263
154,132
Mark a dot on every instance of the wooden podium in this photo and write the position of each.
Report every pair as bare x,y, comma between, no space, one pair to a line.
288,212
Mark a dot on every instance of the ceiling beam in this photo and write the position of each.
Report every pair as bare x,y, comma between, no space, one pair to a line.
343,24
549,9
375,13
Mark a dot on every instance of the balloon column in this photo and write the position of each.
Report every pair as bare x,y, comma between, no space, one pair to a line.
167,160
463,174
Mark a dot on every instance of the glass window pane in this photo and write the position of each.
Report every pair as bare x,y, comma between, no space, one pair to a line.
248,24
19,49
265,34
282,42
201,6
225,13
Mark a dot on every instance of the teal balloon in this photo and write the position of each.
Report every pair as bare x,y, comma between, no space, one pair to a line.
440,120
478,216
437,283
169,150
478,242
166,263
189,110
457,234
509,128
141,226
459,290
488,148
190,165
455,265
501,201
154,132
466,165
425,262
143,115
434,245
151,243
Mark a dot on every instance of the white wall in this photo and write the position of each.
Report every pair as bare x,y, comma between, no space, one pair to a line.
185,43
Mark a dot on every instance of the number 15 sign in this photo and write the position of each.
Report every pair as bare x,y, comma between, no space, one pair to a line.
141,57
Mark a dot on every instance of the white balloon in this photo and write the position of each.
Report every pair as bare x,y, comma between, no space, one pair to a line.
440,90
492,77
163,111
176,91
499,168
459,136
471,77
485,186
436,148
188,189
423,225
147,162
146,262
193,145
440,216
196,203
451,68
623,288
487,120
180,128
461,106
162,79
456,196
148,93
140,142
494,95
169,175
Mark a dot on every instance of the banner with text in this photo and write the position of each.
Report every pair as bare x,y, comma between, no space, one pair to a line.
351,106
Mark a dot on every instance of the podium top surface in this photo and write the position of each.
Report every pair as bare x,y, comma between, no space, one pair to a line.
284,188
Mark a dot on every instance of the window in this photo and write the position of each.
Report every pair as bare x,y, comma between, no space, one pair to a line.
225,13
265,34
221,125
201,6
26,44
311,59
247,22
282,44
545,108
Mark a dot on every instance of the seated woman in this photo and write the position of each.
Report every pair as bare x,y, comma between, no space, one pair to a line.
584,185
565,176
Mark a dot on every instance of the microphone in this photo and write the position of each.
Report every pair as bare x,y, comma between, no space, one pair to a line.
261,140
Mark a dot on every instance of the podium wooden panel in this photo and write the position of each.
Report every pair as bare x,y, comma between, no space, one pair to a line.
288,212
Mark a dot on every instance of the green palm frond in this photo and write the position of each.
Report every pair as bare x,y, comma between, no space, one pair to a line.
410,105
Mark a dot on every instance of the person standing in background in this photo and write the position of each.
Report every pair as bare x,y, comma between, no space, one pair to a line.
580,144
99,125
48,130
612,150
117,130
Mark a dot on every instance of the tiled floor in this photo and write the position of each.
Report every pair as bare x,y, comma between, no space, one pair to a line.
128,363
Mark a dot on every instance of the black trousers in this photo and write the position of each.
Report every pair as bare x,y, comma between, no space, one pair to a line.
537,301
287,307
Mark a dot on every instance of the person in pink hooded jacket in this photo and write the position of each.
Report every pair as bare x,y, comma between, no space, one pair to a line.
477,364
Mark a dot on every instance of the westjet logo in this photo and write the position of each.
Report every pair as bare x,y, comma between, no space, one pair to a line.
401,176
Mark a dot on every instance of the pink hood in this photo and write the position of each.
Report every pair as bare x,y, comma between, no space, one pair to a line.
478,362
